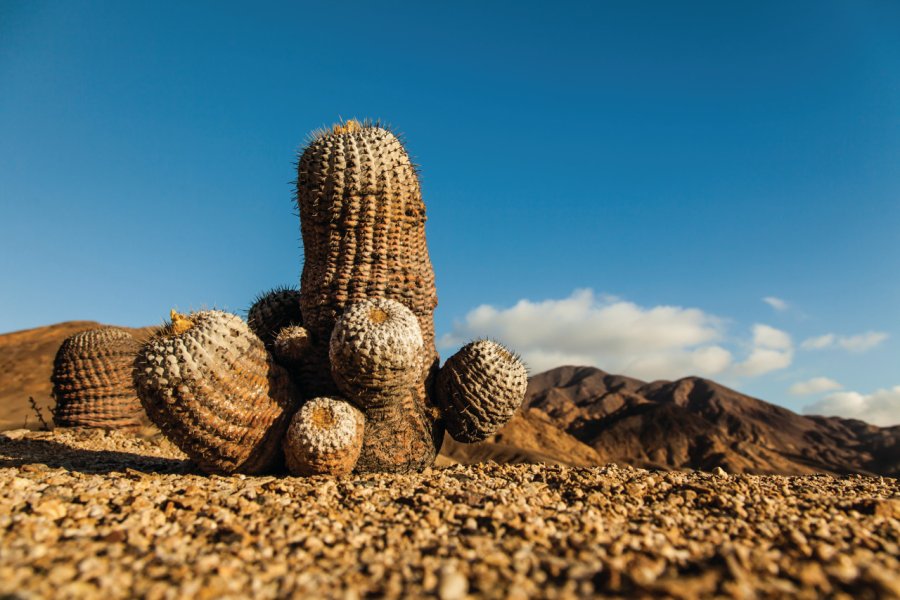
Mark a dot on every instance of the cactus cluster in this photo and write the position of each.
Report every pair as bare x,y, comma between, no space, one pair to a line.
341,375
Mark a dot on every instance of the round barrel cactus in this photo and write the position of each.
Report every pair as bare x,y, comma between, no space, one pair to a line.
479,389
208,383
272,311
324,438
92,380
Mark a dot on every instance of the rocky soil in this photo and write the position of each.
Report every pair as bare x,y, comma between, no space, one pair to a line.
95,514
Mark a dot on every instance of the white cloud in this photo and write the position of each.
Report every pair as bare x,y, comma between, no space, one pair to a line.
881,407
776,303
769,337
816,385
818,343
660,342
863,341
772,350
764,360
852,343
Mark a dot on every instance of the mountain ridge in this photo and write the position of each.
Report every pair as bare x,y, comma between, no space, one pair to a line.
697,423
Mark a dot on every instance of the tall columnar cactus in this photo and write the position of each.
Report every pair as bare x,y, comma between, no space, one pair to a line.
92,380
363,225
208,383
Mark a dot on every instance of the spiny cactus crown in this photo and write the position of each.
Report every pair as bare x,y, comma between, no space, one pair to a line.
347,127
379,332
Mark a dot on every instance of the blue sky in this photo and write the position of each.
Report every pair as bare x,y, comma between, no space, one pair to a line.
628,180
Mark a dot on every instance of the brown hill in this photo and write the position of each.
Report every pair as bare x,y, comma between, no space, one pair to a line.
530,437
699,424
26,362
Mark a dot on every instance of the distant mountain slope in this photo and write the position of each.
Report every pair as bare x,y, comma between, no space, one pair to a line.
26,362
697,423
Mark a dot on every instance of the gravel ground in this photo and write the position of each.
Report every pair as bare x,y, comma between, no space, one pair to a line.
94,514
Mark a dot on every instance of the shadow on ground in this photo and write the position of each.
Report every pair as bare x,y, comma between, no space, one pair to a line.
22,452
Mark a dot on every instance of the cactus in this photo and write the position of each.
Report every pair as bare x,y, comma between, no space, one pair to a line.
363,225
324,438
376,352
272,311
479,388
92,380
208,383
291,345
363,353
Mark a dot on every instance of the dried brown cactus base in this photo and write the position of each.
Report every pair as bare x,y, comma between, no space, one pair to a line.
399,438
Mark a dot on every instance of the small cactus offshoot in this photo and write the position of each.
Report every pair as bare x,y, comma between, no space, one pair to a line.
291,345
271,312
324,438
479,388
376,350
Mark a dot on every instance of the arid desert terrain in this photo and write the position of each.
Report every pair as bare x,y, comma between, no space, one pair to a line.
601,485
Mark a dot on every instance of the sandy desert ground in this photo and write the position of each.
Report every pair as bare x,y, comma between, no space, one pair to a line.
95,514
